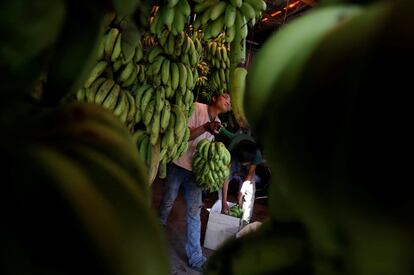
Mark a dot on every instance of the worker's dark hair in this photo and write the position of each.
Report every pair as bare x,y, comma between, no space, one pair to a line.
245,151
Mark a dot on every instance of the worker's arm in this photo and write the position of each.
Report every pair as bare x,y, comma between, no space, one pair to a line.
250,173
224,205
212,127
247,180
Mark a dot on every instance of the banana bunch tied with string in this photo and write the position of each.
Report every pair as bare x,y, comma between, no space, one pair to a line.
211,165
215,16
173,16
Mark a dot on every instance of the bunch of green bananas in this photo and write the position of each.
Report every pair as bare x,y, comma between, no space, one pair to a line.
181,46
233,16
173,74
149,152
174,143
173,15
217,56
115,74
110,95
211,162
164,98
86,190
236,211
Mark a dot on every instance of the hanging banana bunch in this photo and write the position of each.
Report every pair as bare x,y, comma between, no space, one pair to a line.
114,76
211,162
214,17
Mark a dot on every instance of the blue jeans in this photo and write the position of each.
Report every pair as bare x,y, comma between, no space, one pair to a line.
178,176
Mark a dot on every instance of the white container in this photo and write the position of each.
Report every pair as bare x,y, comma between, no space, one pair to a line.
220,227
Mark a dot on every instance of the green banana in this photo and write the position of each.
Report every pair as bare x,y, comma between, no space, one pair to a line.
162,168
147,96
165,71
132,107
124,115
180,122
148,113
179,22
155,128
139,93
81,94
202,6
172,3
230,16
138,135
190,79
168,139
165,117
217,10
100,54
183,76
117,65
169,92
121,104
93,89
217,26
116,51
110,101
168,15
175,76
247,10
103,90
162,39
159,100
184,8
258,5
132,79
110,39
236,3
153,53
139,54
126,72
237,89
156,66
143,148
230,34
97,70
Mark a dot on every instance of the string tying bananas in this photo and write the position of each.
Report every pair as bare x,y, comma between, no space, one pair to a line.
211,162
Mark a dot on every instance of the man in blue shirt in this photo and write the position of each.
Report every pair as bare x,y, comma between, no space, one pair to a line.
246,156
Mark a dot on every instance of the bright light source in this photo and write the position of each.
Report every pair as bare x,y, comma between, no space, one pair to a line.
294,4
276,13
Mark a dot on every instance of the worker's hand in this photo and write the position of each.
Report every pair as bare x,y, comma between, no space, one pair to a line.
224,208
213,127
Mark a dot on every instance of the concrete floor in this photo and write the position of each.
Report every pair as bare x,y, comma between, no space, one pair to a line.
176,226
